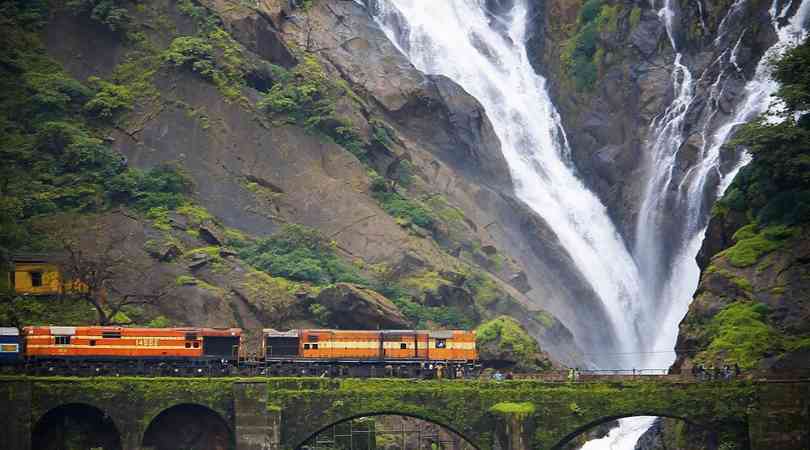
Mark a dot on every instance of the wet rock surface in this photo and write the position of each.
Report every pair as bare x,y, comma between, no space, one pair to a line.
354,307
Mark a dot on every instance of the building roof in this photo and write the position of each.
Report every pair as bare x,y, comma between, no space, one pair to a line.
35,257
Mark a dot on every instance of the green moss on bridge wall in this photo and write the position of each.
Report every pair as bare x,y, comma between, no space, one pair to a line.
552,412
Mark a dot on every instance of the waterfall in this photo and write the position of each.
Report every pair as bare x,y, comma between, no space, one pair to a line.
675,209
645,293
458,39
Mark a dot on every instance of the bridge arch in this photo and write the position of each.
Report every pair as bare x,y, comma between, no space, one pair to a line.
189,425
80,423
439,422
560,445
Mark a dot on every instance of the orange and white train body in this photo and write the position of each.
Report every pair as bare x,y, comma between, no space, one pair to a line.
455,346
97,342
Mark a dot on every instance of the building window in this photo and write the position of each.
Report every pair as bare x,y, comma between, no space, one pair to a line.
403,346
441,343
36,279
62,340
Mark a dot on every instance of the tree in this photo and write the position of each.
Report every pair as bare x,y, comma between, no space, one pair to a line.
775,187
99,266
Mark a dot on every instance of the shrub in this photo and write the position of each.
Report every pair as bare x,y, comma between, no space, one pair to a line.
578,56
429,316
308,96
590,11
300,253
193,53
159,322
111,13
400,207
110,99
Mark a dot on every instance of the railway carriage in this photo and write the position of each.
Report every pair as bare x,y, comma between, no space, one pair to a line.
131,350
408,353
11,348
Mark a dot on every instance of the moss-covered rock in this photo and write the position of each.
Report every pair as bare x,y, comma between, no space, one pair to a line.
503,342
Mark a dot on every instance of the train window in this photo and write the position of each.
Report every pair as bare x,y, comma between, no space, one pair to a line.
312,338
441,343
196,345
188,344
36,279
403,345
111,334
314,346
306,346
9,348
92,343
62,340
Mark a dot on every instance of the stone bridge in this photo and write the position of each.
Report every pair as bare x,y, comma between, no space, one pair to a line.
283,413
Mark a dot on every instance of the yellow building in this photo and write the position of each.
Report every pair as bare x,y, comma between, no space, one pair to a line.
35,275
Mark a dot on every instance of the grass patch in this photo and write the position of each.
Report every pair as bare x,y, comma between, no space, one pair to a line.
512,408
739,334
750,246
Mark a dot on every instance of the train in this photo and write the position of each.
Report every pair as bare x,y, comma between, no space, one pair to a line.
192,351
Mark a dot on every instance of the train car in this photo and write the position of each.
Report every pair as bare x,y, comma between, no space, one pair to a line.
11,348
369,353
131,350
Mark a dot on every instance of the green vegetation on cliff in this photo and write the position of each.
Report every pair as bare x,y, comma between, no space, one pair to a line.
582,55
300,253
308,96
751,243
739,335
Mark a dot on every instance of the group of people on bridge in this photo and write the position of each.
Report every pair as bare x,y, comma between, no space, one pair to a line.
716,372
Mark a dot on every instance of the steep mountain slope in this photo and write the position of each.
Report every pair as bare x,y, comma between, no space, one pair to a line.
358,167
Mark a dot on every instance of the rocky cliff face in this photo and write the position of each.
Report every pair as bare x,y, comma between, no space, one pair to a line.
610,65
283,115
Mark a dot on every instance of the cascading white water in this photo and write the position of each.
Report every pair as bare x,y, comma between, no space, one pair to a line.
673,280
455,38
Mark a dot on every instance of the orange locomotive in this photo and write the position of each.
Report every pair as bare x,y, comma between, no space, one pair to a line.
104,347
370,353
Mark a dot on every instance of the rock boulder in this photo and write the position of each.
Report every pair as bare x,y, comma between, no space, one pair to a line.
356,307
